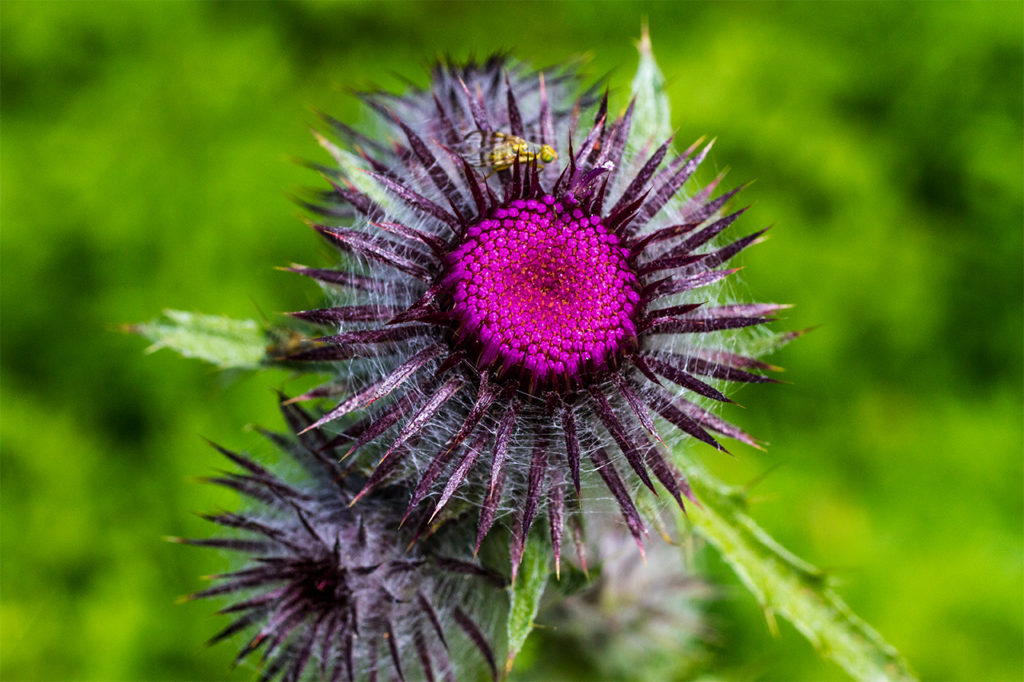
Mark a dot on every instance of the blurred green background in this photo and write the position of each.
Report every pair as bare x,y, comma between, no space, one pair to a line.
142,168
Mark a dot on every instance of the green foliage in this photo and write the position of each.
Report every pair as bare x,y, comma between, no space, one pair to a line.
226,343
526,592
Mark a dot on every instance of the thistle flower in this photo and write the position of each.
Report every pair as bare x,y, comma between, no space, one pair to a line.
516,292
329,590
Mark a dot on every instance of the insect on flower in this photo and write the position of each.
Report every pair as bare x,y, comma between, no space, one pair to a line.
504,336
500,151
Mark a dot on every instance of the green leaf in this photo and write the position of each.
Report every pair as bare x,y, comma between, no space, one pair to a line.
651,113
525,593
786,585
222,341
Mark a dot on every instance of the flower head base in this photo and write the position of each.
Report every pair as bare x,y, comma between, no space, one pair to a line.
501,331
543,291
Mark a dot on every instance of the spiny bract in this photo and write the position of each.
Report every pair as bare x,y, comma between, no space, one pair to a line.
497,330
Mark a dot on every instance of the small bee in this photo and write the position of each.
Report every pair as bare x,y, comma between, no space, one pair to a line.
498,151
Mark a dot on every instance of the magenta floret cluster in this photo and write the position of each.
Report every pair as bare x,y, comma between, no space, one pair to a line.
544,287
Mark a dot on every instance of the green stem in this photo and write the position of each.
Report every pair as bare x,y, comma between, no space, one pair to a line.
787,585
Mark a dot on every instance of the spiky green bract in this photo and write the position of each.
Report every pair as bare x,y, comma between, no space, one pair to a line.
499,378
329,590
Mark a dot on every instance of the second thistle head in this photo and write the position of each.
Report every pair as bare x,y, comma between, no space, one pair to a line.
333,591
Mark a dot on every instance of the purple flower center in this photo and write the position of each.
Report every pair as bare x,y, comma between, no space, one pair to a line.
545,288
